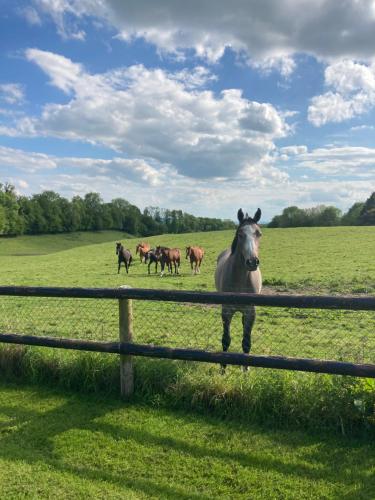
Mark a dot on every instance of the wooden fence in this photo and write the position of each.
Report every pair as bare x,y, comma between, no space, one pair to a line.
126,347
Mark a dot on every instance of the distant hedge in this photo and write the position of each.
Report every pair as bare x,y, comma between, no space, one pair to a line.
360,214
48,212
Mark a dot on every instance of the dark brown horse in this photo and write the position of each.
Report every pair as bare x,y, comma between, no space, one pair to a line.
152,258
142,248
124,256
195,255
169,256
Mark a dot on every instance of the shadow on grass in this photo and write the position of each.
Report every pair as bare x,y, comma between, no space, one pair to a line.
29,434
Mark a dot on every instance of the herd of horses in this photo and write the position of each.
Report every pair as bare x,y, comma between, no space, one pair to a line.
169,258
237,270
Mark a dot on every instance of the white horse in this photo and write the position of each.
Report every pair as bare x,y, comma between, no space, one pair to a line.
238,271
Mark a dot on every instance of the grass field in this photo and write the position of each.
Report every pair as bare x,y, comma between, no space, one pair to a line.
59,445
167,428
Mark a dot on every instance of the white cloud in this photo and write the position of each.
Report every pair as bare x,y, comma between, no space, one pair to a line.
31,15
164,117
352,94
143,185
294,150
343,161
269,32
135,170
12,93
65,15
360,128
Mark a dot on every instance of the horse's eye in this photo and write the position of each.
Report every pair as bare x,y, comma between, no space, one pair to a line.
258,234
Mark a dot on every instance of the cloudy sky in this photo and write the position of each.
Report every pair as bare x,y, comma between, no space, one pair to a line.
202,105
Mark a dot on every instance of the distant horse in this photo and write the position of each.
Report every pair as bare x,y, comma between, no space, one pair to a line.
124,256
152,258
142,248
169,256
237,271
196,256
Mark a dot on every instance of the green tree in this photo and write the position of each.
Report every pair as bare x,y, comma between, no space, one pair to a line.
13,222
367,217
351,218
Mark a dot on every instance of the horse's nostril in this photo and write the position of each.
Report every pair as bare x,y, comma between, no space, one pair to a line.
257,261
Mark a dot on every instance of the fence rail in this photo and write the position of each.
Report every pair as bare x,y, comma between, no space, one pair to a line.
127,347
297,301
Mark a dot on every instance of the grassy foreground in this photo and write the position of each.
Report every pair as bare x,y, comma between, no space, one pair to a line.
55,444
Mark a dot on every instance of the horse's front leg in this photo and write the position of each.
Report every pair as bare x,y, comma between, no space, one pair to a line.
226,317
248,318
119,265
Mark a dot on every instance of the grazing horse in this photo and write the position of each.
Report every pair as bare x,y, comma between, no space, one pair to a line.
196,256
238,271
142,248
124,256
152,257
169,256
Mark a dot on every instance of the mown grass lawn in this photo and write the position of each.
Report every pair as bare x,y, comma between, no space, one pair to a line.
55,444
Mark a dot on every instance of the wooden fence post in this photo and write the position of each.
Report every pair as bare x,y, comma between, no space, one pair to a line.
126,335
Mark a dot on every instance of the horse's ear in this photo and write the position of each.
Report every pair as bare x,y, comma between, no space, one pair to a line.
257,215
240,216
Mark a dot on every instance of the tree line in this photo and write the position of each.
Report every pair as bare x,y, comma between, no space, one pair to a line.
48,212
359,214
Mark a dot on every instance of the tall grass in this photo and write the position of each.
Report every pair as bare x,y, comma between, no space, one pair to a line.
271,397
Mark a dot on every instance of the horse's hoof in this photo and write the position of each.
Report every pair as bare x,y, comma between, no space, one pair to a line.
222,370
245,369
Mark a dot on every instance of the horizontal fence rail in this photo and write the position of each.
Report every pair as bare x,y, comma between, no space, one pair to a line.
123,326
228,358
240,299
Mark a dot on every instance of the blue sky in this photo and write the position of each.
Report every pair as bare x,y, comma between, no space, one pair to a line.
205,107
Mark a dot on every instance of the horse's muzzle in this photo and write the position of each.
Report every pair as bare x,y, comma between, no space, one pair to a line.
252,264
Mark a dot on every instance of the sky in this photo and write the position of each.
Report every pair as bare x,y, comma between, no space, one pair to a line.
204,106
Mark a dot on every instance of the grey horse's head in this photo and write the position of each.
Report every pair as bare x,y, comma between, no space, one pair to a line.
246,240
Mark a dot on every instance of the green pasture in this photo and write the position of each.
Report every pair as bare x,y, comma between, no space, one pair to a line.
316,260
309,260
188,432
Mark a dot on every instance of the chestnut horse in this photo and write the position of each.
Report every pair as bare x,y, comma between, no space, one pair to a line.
124,256
238,271
169,256
196,256
142,248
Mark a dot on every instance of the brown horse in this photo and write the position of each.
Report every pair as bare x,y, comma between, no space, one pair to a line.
142,248
196,256
169,256
124,256
238,271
